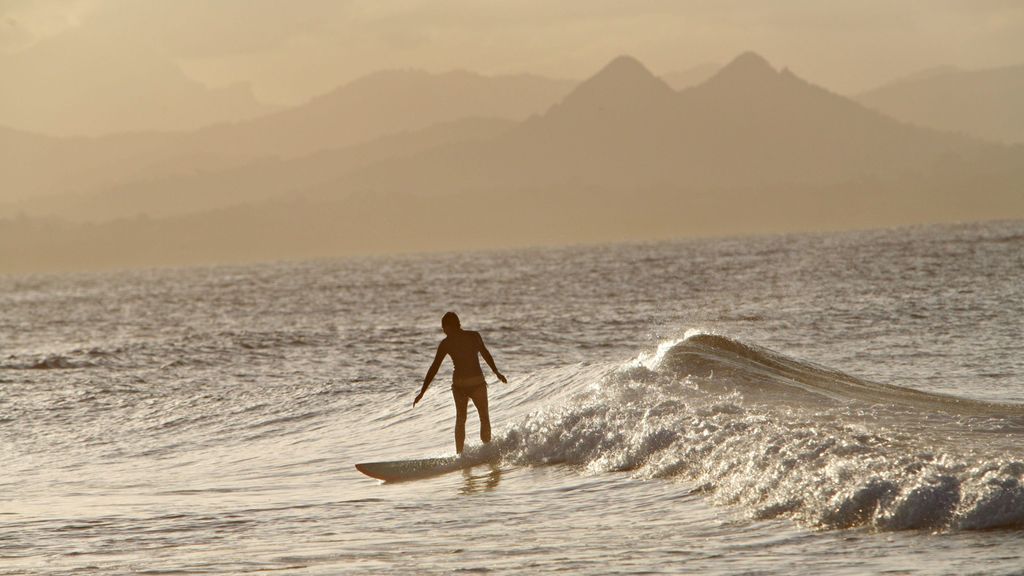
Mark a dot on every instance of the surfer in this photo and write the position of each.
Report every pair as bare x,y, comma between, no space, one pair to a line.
467,380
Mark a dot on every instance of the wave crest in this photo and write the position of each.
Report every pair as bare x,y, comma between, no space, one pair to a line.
775,437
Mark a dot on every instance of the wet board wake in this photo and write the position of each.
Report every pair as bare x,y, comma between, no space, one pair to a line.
400,470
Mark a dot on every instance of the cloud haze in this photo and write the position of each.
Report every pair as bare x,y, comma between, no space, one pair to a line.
292,51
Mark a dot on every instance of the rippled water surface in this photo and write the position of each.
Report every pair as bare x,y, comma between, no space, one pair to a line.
835,403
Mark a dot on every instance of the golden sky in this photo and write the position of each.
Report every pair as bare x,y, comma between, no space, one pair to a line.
291,51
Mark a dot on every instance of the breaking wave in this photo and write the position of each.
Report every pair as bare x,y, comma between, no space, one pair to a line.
776,437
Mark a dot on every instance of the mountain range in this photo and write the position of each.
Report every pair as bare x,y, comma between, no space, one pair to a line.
746,127
622,156
372,107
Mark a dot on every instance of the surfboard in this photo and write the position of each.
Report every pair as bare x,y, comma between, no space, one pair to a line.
401,470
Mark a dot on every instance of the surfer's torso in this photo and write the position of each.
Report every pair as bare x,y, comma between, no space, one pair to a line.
464,347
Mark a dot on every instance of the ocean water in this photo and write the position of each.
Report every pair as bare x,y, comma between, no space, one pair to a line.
843,403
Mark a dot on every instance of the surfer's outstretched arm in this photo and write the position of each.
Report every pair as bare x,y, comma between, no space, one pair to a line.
490,361
438,358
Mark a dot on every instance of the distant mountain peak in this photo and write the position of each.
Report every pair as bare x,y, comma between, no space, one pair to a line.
621,71
625,65
622,82
748,66
751,59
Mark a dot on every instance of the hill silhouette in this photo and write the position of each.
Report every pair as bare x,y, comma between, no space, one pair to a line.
623,156
981,103
624,129
384,103
249,182
366,109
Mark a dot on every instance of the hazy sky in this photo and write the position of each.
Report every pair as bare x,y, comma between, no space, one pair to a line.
292,50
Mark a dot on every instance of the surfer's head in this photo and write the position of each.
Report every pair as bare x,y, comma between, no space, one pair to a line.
450,322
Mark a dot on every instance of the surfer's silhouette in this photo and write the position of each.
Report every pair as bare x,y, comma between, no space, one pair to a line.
467,380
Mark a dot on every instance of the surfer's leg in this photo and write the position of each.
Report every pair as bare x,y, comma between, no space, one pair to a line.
479,396
461,407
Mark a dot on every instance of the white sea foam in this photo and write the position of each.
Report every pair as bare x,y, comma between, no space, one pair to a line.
833,464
